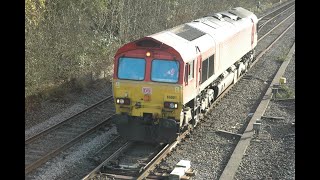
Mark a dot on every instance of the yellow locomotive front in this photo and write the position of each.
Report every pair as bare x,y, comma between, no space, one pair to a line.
147,89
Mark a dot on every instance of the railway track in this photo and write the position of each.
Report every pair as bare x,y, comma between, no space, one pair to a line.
144,172
284,20
129,163
274,14
51,141
51,128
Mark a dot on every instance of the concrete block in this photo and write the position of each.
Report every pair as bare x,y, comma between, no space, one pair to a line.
184,163
282,80
177,173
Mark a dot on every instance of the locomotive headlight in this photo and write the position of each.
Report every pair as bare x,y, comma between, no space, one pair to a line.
125,101
171,105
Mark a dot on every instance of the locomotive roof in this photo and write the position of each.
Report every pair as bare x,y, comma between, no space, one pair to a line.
202,33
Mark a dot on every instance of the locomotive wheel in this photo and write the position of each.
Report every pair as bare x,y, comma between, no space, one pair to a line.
184,124
247,67
185,121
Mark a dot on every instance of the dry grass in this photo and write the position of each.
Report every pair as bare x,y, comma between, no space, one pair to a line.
285,92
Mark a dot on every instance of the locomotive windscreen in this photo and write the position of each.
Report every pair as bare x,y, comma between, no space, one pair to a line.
165,71
131,68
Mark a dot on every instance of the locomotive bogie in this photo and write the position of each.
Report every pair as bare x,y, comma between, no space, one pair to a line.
226,82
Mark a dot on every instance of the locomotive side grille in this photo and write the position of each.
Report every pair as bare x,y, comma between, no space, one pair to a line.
148,43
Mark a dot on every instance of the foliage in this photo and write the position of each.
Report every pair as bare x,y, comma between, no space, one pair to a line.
68,40
285,92
283,56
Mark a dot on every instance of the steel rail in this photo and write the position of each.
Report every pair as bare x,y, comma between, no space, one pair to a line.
49,129
104,147
65,146
114,155
264,23
277,9
276,26
161,155
259,56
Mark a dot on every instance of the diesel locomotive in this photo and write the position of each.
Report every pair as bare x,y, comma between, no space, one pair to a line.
162,82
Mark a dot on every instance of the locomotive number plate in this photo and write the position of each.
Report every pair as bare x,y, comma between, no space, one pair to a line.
146,90
171,97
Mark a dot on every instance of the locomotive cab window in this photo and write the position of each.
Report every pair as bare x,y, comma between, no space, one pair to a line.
207,68
131,68
211,66
165,71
